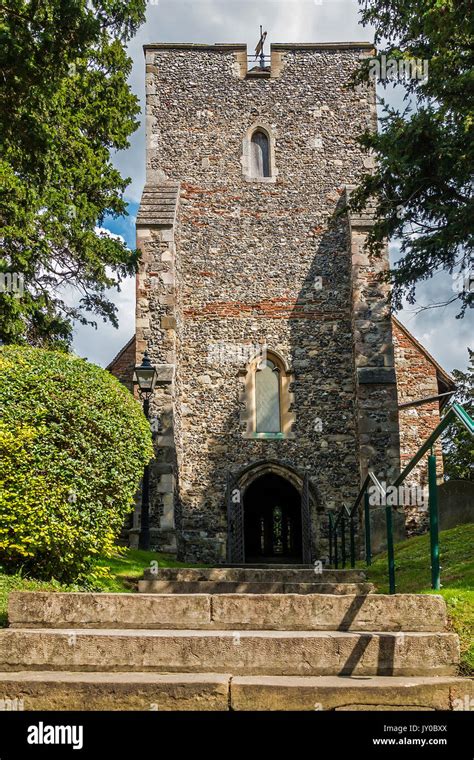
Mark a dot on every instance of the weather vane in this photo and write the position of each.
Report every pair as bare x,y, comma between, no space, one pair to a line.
259,51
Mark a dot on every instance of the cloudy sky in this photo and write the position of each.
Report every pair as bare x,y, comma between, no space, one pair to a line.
213,21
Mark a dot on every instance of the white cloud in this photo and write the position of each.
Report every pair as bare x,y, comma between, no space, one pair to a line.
101,345
102,231
444,336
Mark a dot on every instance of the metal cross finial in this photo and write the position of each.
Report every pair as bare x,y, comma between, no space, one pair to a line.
259,51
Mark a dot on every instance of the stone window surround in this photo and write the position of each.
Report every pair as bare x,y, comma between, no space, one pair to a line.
246,159
248,417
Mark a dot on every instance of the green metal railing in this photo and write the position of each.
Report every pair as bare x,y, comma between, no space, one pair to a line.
339,521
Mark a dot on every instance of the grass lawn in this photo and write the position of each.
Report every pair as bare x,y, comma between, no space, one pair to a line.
125,569
412,575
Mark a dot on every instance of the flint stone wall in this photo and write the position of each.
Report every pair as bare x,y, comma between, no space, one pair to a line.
243,263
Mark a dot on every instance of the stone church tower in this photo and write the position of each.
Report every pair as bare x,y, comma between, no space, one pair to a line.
256,301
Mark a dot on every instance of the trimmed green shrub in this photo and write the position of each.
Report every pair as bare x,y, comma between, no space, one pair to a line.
73,444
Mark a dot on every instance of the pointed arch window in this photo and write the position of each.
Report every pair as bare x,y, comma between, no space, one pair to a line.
267,398
260,154
266,411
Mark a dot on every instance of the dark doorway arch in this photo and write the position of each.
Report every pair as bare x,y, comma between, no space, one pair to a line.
272,520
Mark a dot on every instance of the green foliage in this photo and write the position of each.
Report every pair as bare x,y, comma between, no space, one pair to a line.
412,567
73,444
422,184
458,443
65,105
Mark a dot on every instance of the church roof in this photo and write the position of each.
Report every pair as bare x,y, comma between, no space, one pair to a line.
158,204
443,377
118,356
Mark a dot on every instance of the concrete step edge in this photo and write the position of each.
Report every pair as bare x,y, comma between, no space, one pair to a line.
241,587
51,690
399,612
242,652
253,574
323,693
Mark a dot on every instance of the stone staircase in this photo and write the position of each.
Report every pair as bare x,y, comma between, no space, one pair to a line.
260,579
333,646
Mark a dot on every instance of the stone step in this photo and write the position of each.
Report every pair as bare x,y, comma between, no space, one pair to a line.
350,693
46,690
255,575
400,612
269,565
222,651
236,587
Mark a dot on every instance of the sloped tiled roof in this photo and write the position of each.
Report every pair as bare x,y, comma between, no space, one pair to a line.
159,204
443,376
120,353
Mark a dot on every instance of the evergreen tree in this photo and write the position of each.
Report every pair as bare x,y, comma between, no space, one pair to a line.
65,105
422,183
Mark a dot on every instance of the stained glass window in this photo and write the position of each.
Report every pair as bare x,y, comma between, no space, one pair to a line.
277,530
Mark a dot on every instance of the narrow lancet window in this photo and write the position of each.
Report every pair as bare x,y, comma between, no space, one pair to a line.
260,154
267,398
